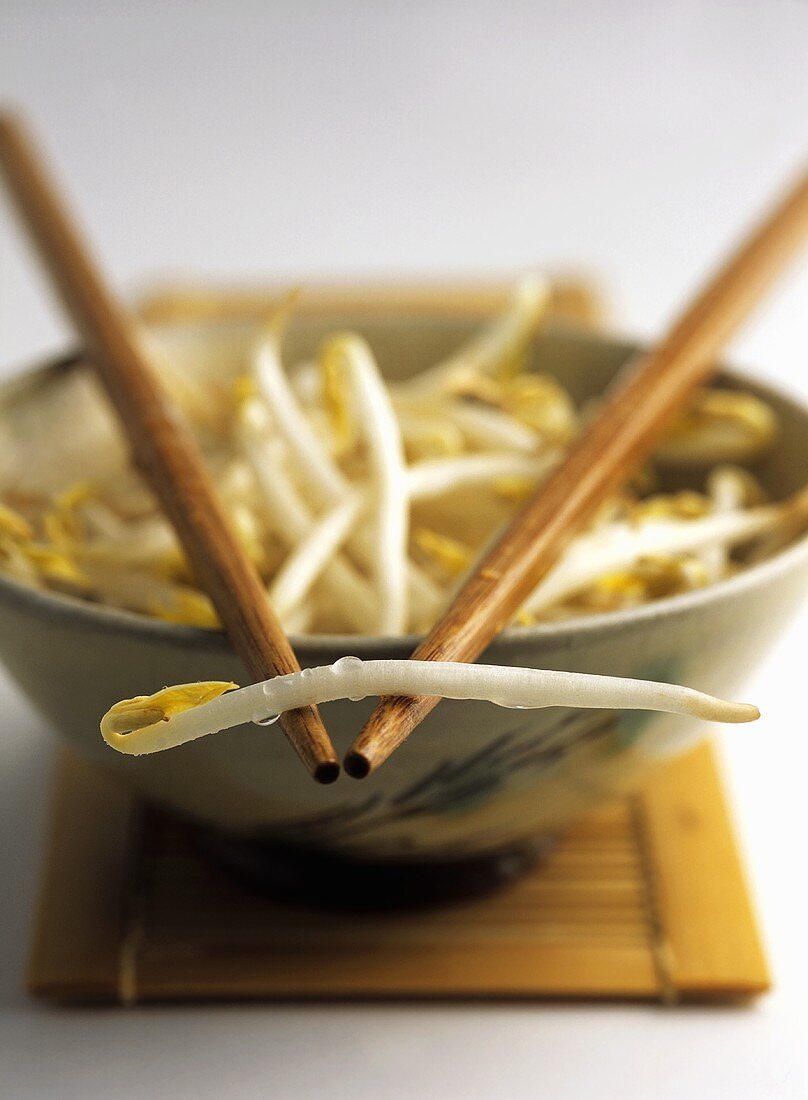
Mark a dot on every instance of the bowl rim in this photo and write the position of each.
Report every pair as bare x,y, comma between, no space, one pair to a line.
85,613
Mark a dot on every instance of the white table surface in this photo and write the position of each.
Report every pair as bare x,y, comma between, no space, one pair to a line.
294,139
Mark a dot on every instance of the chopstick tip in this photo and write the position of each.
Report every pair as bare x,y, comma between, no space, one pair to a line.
308,736
326,772
356,764
389,725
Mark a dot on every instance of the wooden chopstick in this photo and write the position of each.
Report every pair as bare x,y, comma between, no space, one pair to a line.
163,448
638,407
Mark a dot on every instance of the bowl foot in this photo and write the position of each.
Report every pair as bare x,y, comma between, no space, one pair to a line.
338,882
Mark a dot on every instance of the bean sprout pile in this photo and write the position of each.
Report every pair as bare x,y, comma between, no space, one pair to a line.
363,503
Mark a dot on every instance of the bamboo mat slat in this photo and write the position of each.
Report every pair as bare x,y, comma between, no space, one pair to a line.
644,900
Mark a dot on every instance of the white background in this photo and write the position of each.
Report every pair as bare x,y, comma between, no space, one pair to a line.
632,139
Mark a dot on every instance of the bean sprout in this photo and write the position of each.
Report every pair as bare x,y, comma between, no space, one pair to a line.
726,491
484,427
177,715
720,426
292,519
435,477
498,347
312,554
622,544
322,479
387,474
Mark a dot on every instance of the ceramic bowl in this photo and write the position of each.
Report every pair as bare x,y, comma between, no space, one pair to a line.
475,778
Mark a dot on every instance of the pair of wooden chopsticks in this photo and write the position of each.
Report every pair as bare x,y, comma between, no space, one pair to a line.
636,411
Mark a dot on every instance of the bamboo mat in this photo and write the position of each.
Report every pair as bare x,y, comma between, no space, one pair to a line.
643,900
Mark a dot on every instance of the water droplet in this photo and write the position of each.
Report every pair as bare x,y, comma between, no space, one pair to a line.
356,698
345,664
265,720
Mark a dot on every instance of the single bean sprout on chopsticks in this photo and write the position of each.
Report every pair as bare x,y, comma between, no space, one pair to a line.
177,715
364,503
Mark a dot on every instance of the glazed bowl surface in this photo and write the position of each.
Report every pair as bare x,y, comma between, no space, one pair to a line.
475,778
